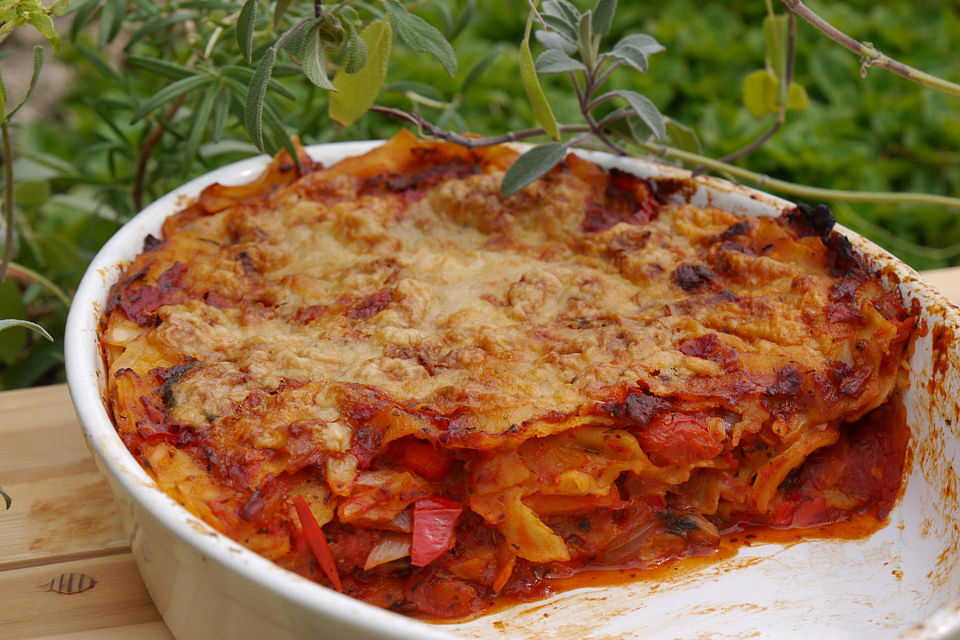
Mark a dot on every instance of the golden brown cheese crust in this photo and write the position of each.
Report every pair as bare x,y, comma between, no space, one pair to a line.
288,337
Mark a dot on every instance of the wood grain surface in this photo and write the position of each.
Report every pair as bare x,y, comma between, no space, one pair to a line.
66,572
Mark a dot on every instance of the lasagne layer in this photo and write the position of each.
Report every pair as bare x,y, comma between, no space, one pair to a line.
470,392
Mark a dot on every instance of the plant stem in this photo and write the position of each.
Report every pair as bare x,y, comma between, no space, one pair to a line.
812,193
8,196
15,268
784,97
869,55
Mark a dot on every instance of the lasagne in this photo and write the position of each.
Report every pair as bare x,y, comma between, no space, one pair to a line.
388,377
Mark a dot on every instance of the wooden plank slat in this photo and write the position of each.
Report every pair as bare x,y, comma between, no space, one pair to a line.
62,507
118,599
947,280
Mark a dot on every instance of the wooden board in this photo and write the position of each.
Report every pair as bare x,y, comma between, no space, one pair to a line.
63,523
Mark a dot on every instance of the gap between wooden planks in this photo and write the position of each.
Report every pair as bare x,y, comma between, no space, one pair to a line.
63,522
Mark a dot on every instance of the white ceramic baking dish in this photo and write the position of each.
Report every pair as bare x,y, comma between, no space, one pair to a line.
903,581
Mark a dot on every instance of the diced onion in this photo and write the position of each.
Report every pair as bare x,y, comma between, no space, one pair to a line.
392,546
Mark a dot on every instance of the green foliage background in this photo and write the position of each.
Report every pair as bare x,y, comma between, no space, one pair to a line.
76,169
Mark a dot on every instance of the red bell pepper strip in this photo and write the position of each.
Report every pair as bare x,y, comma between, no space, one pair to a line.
426,460
434,521
317,541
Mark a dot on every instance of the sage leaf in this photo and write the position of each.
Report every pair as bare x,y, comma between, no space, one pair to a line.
420,35
297,37
585,38
646,111
256,92
168,93
531,84
683,137
356,50
199,120
38,54
562,9
357,91
312,59
553,40
760,93
33,326
603,16
647,45
556,61
532,165
37,65
246,22
567,31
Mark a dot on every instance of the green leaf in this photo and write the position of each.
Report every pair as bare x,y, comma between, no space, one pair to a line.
776,40
603,16
84,11
246,22
553,40
760,93
420,35
6,498
531,84
356,50
312,58
221,110
256,91
37,65
245,74
199,120
683,137
111,17
157,65
465,18
408,86
480,67
296,37
585,38
357,91
532,165
280,10
561,27
797,98
170,92
635,50
556,61
33,326
646,111
12,343
562,9
646,44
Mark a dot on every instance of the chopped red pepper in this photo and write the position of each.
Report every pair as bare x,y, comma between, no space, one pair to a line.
427,460
317,541
434,520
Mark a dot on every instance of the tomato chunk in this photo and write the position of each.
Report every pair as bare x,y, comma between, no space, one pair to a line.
426,460
317,541
434,520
